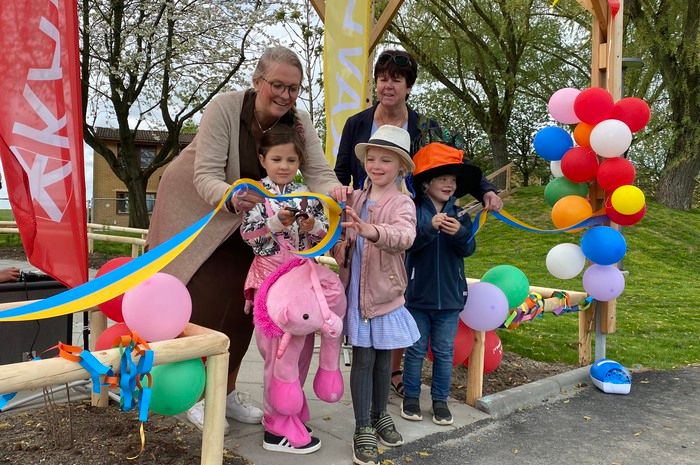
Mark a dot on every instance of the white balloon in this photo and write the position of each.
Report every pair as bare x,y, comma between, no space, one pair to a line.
610,138
555,167
565,261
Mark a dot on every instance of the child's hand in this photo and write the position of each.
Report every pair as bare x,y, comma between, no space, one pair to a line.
286,217
450,226
363,228
306,224
438,220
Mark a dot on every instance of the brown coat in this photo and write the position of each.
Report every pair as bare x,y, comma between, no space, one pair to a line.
193,183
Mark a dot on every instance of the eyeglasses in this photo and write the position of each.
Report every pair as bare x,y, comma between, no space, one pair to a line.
278,88
400,60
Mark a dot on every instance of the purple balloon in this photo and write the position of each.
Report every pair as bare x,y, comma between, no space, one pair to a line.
603,282
486,307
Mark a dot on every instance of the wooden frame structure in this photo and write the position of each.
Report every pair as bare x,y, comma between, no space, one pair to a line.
606,72
195,342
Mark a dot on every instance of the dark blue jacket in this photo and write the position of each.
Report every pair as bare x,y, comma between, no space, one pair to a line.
435,261
358,129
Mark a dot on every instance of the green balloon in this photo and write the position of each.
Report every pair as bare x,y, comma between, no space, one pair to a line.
511,281
177,386
561,187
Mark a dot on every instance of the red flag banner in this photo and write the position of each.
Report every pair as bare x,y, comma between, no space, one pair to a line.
41,137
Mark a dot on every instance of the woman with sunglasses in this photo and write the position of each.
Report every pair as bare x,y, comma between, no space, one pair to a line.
225,149
395,73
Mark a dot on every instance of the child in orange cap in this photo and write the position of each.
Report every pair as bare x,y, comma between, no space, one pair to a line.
435,268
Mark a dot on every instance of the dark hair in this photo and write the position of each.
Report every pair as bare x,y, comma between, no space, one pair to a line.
396,63
281,134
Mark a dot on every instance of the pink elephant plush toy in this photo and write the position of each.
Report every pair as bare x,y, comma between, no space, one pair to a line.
292,304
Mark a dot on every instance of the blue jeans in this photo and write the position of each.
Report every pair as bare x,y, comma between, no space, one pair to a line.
440,327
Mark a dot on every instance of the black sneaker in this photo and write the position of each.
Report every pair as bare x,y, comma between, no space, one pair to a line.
410,409
275,443
386,431
441,414
364,447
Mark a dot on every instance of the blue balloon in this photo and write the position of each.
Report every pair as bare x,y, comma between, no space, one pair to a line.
552,142
603,245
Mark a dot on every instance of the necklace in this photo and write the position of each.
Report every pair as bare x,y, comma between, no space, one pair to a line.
264,131
384,119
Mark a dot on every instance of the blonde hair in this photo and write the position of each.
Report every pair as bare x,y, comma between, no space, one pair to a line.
276,55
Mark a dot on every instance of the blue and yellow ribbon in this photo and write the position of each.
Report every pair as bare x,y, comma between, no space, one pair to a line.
136,271
510,220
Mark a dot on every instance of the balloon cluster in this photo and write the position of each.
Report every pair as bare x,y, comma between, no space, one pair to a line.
157,309
601,136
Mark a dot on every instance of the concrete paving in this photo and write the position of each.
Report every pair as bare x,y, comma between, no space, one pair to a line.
334,423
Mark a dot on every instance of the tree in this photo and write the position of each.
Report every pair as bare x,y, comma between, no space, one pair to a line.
157,60
304,29
671,32
487,52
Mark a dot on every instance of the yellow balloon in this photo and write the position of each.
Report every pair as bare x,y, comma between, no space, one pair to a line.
627,199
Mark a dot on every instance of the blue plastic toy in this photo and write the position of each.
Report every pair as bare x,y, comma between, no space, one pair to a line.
611,377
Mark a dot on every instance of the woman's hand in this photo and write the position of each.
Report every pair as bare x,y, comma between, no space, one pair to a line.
492,201
364,229
244,200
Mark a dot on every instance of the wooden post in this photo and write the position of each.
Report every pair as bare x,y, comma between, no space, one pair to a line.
475,371
98,323
214,410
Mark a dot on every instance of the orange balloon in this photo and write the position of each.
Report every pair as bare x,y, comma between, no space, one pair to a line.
570,210
582,134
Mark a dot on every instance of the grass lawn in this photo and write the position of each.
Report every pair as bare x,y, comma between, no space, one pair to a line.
657,319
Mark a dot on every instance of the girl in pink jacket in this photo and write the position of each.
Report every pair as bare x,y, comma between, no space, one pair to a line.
380,226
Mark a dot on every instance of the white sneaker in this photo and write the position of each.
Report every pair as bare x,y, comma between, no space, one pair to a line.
239,408
196,416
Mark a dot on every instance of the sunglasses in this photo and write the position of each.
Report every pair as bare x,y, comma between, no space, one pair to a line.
399,60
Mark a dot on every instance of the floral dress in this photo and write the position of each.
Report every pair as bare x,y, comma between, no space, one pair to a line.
270,240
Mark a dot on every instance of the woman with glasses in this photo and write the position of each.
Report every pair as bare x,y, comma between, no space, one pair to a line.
395,73
226,149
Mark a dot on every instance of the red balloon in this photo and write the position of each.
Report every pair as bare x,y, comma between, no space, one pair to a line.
632,111
593,105
463,344
106,339
623,220
615,172
493,352
579,164
113,307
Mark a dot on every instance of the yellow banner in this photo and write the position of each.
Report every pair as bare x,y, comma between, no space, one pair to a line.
348,25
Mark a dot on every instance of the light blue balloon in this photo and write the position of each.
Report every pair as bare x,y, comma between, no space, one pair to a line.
552,142
603,245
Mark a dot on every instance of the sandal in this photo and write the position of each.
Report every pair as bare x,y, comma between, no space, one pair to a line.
397,387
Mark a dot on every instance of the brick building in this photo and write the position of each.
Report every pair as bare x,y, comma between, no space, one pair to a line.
110,203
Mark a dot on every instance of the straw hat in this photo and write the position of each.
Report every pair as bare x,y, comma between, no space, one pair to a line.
392,138
437,159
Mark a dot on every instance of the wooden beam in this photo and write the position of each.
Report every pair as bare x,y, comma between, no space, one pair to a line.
600,15
320,7
383,22
475,371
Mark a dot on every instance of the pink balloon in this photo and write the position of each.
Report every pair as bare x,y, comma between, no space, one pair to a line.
603,282
561,105
109,335
486,307
158,308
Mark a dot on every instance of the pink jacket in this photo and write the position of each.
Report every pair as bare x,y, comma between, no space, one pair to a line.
383,274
